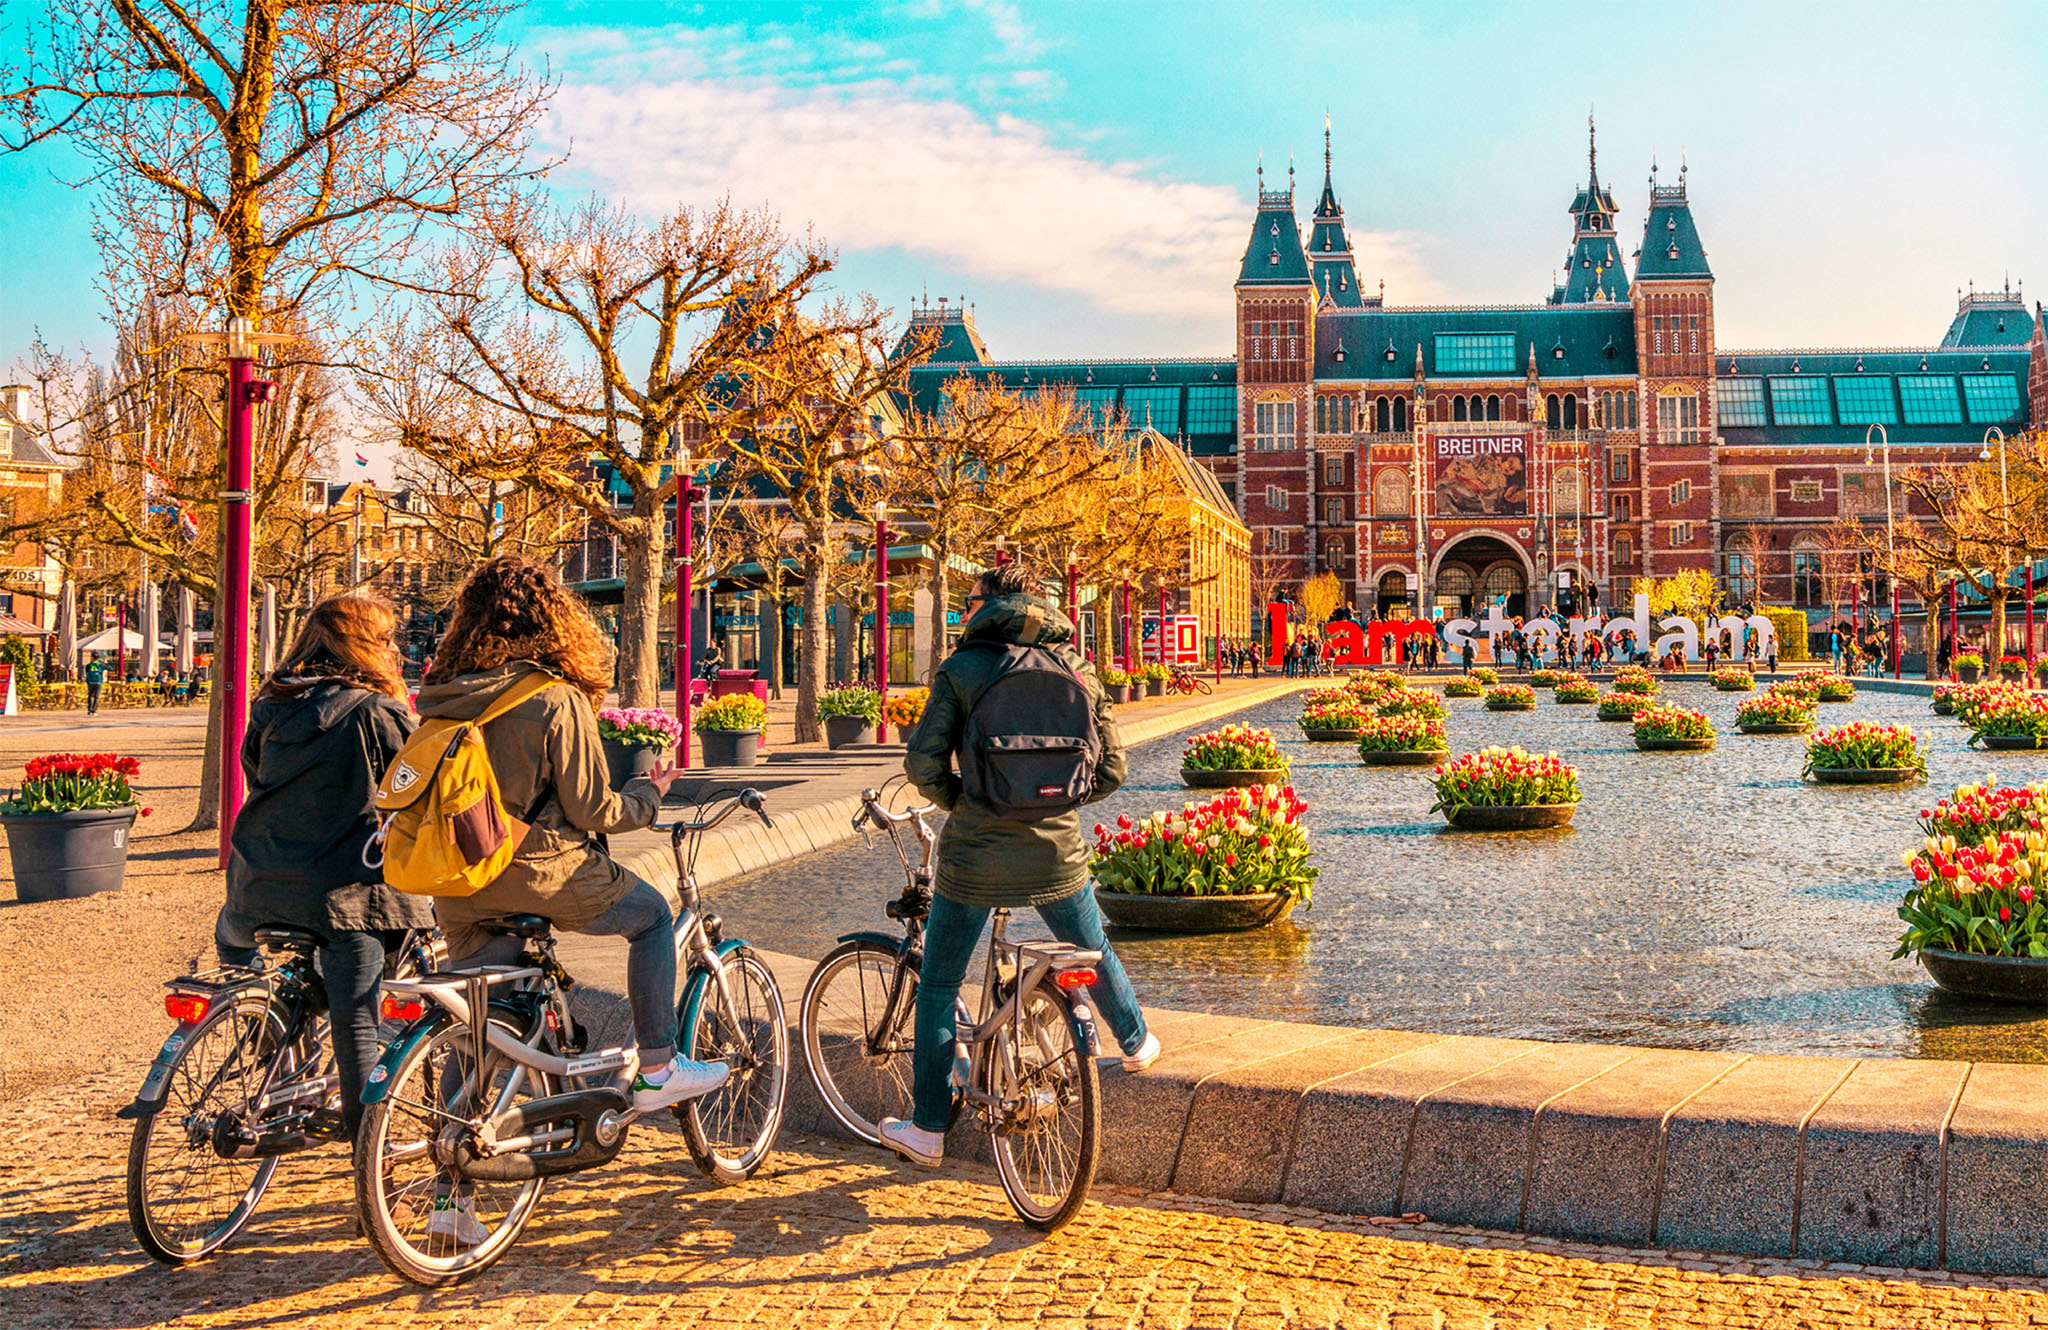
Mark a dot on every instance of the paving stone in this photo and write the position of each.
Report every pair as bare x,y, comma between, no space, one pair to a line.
1468,1158
1740,1138
1872,1190
1351,1134
1598,1147
1240,1130
1997,1141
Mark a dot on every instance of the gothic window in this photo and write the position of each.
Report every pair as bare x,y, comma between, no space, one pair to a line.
1272,426
1322,415
1493,406
1631,408
1400,414
1457,408
1383,415
1624,507
1624,548
1806,578
1390,492
1333,555
1738,572
1571,412
1394,586
1551,414
1617,467
1333,470
1678,417
1333,512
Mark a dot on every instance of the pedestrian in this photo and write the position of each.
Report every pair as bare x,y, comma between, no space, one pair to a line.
321,732
994,855
1771,659
1465,655
95,679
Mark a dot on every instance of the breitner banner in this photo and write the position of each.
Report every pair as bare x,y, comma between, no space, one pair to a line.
1481,475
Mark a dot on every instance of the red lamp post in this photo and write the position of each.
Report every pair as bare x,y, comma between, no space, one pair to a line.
1895,627
1162,625
686,498
882,617
1125,618
1002,553
1954,635
2030,616
121,638
1073,591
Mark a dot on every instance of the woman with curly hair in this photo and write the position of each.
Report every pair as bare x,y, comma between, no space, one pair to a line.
323,729
513,618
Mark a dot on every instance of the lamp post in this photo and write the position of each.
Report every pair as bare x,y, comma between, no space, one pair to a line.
882,616
686,497
1162,624
1124,619
1074,589
1890,573
2004,552
1002,552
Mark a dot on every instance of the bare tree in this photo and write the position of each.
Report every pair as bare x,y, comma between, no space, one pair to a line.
1978,524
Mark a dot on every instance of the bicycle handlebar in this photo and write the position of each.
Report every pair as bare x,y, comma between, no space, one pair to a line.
872,810
748,798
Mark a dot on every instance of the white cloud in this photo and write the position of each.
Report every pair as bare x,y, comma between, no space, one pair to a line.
874,166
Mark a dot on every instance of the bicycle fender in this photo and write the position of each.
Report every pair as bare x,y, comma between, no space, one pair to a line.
893,941
156,1084
378,1082
694,990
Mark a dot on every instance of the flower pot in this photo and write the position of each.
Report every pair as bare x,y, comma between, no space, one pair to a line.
623,761
58,856
730,748
1331,736
1155,688
1626,719
1195,914
1403,757
1944,706
1825,698
1218,780
1674,745
1510,706
1510,817
843,730
1119,693
2009,743
1993,978
1967,673
1575,701
1865,775
1734,687
1777,727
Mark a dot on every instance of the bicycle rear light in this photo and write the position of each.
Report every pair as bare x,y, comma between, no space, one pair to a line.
1077,978
402,1008
187,1007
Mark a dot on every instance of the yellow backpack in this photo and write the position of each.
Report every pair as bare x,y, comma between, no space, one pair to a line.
442,825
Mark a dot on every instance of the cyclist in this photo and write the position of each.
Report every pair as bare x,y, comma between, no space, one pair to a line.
988,862
322,730
511,618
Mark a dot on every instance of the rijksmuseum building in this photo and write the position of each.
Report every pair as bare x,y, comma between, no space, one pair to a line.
1560,452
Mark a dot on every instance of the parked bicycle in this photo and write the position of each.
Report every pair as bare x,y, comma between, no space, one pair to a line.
246,1078
1185,680
490,1088
1025,1066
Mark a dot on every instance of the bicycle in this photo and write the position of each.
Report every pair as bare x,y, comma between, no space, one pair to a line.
244,1079
1187,681
489,1089
1026,1067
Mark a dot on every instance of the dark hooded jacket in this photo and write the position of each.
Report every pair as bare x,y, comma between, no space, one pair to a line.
551,774
312,760
985,860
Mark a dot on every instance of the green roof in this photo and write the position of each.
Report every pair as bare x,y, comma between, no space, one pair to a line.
1671,243
1569,342
1273,257
1988,319
1944,397
1191,400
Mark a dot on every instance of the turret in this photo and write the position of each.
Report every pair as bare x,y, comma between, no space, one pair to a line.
1329,249
1593,268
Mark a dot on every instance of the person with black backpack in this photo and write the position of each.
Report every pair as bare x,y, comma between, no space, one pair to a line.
1017,735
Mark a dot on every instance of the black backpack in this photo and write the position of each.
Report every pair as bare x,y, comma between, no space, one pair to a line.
1030,745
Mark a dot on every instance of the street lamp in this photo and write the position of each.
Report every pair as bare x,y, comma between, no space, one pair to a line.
1002,552
1124,619
240,343
1074,588
2005,551
686,497
1890,571
882,616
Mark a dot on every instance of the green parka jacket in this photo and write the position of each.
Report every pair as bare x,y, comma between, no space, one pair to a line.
987,861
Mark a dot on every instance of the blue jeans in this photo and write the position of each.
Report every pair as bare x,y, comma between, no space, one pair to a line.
950,936
643,918
351,967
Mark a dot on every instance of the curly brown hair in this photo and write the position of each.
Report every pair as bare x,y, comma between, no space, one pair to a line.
517,609
345,638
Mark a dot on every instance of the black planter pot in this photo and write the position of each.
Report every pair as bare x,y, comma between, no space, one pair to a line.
1734,687
1194,914
1674,745
1519,817
1944,707
1994,978
1119,693
1331,736
59,856
1403,757
1624,719
1155,688
1219,780
730,748
2009,743
1510,706
1968,674
1865,775
623,761
843,730
1775,727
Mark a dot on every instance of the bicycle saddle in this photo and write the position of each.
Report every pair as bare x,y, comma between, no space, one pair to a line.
287,937
528,926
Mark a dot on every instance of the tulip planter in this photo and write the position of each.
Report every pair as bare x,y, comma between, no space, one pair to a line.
1235,755
1968,673
634,740
1510,817
1507,789
1990,978
1777,727
1195,914
1119,693
730,748
59,856
1865,754
2010,743
1403,757
1219,780
1674,745
1331,736
842,731
623,761
1866,775
1155,688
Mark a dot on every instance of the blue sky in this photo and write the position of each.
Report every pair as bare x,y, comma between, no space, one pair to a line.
1084,172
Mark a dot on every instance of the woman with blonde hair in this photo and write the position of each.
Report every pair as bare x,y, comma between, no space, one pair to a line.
513,620
321,732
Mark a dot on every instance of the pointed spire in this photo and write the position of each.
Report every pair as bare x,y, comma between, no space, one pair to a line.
1592,153
1326,148
1262,170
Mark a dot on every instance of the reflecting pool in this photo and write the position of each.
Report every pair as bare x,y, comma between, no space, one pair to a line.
1699,900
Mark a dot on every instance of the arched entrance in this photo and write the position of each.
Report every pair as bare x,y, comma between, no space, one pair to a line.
1577,594
1392,600
1478,570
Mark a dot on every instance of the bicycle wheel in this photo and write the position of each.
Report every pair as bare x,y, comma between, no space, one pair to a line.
862,1070
731,1132
426,1225
1046,1130
186,1199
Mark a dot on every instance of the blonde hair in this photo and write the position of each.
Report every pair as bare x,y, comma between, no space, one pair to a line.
346,637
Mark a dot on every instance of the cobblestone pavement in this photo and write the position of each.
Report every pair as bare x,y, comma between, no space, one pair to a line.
835,1236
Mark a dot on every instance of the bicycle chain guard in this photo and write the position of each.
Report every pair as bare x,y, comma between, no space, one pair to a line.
585,1110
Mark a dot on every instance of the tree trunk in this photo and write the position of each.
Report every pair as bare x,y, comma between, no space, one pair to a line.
939,584
640,606
810,669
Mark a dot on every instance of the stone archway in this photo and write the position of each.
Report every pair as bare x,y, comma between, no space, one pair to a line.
1473,568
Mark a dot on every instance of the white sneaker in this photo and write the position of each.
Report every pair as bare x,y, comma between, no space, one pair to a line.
455,1217
913,1142
1147,1054
685,1080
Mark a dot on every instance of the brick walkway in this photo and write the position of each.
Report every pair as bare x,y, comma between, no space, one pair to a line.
835,1236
